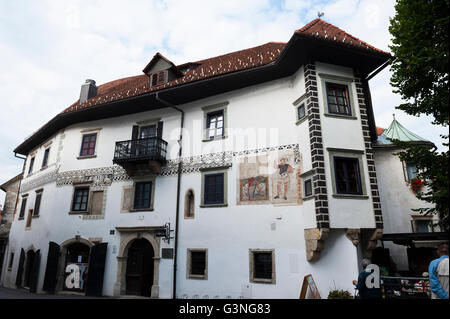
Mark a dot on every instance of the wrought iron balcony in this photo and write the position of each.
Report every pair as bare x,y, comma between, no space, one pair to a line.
140,150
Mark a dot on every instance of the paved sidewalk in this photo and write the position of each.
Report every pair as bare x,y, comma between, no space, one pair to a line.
8,293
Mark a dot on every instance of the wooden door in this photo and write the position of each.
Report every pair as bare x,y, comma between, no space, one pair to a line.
139,274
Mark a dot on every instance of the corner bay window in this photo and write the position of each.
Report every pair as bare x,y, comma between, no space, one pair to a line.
214,124
80,199
214,188
347,174
142,195
338,99
88,144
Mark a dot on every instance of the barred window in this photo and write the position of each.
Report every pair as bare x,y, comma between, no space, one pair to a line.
142,195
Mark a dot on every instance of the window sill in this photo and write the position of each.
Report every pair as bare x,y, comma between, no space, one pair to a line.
86,156
21,218
138,210
213,205
44,168
37,216
302,120
341,116
216,138
198,277
308,198
78,212
349,196
262,281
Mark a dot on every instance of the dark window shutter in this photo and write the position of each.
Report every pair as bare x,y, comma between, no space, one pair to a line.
159,129
51,268
35,271
20,268
96,270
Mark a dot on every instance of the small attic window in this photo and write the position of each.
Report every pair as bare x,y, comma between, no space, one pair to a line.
159,78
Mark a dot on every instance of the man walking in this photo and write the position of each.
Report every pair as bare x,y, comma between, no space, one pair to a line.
438,272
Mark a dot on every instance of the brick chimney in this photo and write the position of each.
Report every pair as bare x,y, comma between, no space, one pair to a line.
88,90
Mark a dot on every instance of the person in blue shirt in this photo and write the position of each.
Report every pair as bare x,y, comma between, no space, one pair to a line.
438,274
364,291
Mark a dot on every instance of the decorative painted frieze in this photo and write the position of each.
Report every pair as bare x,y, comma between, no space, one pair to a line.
43,179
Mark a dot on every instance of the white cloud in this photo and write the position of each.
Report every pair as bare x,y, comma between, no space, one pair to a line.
49,48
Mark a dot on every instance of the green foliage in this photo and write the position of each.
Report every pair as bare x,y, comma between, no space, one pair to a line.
340,294
420,75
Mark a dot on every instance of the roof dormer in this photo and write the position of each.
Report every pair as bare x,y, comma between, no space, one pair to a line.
160,70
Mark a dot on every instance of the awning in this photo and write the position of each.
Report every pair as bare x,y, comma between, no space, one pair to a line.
408,239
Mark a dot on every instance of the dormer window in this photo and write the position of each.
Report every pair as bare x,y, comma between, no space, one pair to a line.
159,78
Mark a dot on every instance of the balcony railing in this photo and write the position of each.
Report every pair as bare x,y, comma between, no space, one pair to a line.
151,148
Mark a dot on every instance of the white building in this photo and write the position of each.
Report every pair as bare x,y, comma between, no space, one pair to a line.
409,237
275,179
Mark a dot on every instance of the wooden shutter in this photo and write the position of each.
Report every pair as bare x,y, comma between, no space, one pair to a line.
96,270
159,129
97,203
20,268
52,267
161,77
35,271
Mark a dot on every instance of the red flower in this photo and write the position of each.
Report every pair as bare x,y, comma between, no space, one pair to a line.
416,185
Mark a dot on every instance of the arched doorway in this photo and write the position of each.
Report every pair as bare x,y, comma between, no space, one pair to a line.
140,267
27,282
77,254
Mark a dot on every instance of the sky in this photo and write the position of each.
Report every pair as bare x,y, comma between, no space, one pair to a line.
48,48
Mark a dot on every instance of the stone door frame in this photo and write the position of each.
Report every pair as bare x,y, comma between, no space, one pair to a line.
127,236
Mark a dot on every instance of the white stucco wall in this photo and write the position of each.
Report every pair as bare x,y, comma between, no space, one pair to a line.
228,232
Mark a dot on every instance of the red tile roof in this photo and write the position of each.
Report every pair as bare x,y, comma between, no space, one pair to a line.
228,63
140,84
319,28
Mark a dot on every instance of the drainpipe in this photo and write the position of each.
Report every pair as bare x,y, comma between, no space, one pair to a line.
175,254
20,182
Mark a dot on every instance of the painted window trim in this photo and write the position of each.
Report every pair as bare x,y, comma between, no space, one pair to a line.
152,195
297,103
81,212
225,186
223,106
334,79
43,158
348,153
41,193
84,132
189,264
252,279
24,196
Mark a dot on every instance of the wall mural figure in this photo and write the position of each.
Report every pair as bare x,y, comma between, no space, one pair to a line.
277,173
283,178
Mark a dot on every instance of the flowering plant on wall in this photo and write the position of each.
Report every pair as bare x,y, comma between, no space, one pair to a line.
416,185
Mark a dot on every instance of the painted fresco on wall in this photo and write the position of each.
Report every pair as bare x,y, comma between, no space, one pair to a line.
253,180
273,178
285,177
